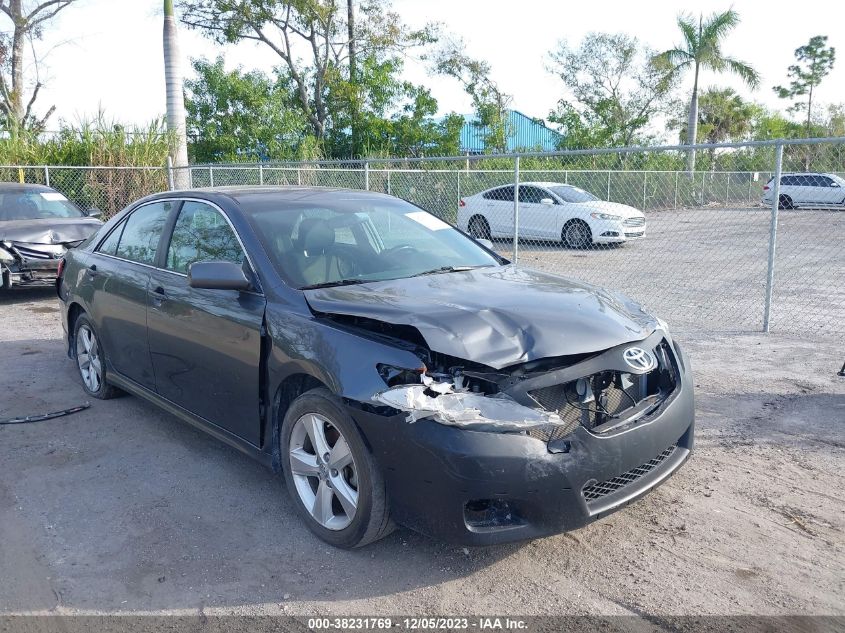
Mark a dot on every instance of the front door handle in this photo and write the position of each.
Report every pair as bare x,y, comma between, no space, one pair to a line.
159,296
91,271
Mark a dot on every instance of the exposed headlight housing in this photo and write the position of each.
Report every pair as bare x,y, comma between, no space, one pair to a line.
5,256
606,216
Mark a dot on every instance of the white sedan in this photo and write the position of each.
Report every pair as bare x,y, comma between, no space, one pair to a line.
550,211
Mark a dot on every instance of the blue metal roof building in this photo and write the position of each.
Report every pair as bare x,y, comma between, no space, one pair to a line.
524,133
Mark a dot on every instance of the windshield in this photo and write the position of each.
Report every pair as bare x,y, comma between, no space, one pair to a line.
36,205
568,193
335,240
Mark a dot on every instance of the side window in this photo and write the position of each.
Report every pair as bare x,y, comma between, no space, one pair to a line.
532,195
109,245
789,181
502,194
824,181
142,232
201,234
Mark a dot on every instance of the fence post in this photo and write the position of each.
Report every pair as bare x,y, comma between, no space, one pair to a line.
645,180
46,175
677,173
728,190
211,176
516,210
366,175
260,174
458,171
703,184
750,186
773,233
299,176
608,185
389,171
170,180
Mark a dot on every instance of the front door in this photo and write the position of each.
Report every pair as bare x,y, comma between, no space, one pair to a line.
206,344
536,218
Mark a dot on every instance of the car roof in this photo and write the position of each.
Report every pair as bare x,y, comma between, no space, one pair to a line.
22,186
287,192
536,183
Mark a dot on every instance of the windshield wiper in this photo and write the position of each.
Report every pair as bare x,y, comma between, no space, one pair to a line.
448,269
331,284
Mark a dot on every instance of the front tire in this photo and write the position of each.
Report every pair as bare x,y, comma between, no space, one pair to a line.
577,234
91,360
330,473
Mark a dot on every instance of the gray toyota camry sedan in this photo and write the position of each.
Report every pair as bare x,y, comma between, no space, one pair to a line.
395,370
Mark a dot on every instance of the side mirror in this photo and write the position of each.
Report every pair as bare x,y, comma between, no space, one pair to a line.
218,276
94,213
485,243
547,201
834,184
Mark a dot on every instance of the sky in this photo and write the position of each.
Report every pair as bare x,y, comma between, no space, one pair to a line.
108,53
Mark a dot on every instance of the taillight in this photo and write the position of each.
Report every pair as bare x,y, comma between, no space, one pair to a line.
765,187
462,203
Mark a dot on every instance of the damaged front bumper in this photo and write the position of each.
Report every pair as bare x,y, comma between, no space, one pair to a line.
30,264
460,476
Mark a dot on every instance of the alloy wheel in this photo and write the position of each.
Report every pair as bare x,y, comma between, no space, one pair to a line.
88,358
323,471
578,235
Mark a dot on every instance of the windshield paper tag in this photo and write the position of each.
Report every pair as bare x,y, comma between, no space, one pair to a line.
52,196
427,220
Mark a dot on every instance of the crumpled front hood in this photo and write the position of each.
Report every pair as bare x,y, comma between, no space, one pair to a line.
52,231
614,208
495,316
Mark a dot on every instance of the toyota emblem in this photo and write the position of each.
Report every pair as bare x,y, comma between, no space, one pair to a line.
640,360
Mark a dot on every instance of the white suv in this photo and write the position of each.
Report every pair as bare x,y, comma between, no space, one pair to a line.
807,190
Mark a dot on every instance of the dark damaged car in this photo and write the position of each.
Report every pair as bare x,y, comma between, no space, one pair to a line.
392,368
37,226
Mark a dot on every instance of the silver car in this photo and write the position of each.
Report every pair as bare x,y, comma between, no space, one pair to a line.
813,190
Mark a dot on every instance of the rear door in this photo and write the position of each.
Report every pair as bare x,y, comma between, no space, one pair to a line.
499,210
118,274
206,344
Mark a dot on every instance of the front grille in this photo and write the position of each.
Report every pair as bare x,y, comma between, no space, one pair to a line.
634,222
39,251
608,396
604,488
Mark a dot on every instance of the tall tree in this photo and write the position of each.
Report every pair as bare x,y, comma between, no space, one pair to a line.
815,61
235,115
311,39
27,24
175,96
489,101
701,49
617,84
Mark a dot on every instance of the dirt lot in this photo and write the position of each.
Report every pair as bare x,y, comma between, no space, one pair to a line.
122,509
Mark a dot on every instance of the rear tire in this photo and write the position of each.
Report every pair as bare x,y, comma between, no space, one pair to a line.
577,234
90,360
479,228
332,477
785,202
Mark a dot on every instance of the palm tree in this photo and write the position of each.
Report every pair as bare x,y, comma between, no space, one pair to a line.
175,98
702,48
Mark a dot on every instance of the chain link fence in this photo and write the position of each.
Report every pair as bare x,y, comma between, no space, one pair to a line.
107,189
726,248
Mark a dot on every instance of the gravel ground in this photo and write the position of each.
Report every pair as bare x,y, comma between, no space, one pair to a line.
124,509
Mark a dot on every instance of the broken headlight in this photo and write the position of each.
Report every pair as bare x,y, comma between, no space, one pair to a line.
394,376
